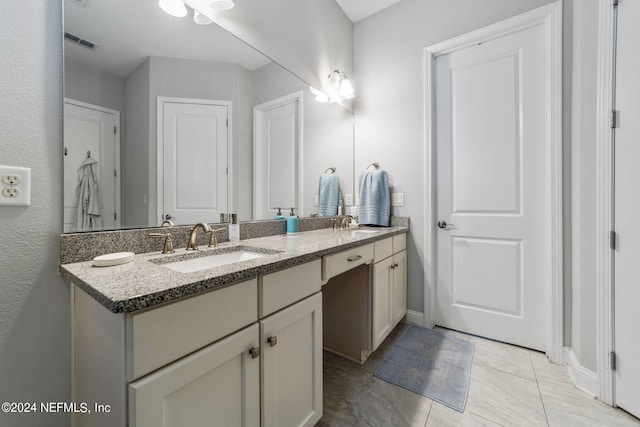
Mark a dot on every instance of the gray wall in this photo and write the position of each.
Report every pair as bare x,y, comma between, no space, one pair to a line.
34,301
389,75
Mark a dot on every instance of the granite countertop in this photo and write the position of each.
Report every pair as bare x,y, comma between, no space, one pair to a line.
144,282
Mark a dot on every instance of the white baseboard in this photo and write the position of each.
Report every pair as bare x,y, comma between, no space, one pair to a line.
415,318
583,378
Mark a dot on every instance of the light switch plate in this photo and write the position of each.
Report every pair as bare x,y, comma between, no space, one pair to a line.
15,186
348,199
397,199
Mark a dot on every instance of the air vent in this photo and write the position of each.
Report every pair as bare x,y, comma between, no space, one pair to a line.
77,40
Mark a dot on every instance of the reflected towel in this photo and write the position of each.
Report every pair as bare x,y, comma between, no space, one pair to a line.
329,194
375,198
88,196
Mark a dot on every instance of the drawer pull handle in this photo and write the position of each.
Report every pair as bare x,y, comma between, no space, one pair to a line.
354,258
272,341
254,352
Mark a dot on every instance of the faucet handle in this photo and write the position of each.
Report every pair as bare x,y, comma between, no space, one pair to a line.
213,242
168,243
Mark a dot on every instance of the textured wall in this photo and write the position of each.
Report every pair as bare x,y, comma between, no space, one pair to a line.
34,301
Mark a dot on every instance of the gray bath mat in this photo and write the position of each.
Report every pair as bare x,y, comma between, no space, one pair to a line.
427,362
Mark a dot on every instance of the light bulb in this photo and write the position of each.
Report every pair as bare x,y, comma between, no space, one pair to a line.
200,19
346,90
173,7
320,96
221,4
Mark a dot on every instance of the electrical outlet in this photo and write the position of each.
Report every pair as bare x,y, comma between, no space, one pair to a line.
16,186
348,199
11,192
11,179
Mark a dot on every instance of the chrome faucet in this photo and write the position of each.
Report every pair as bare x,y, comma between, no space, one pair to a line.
193,245
346,221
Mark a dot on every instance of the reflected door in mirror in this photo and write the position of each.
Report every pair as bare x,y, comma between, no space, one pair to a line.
277,148
91,130
194,140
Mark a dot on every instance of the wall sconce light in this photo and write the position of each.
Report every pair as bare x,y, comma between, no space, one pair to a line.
178,9
221,4
201,19
320,96
340,81
173,7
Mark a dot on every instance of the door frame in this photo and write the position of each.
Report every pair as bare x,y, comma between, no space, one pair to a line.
258,112
604,201
161,100
551,17
117,142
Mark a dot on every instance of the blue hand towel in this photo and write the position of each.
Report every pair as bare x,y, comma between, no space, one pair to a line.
329,194
375,198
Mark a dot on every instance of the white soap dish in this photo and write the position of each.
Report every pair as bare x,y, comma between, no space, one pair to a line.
117,258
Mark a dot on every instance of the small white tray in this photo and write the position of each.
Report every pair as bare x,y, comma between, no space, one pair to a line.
117,258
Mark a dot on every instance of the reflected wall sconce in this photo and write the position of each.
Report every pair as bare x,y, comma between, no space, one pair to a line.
340,81
178,9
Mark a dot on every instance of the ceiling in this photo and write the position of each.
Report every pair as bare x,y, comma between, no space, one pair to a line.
360,9
127,32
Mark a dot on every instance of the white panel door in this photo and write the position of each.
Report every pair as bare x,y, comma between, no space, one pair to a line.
218,385
91,129
490,163
195,144
627,205
291,342
277,151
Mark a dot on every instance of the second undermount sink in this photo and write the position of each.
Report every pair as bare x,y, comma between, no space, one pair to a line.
192,262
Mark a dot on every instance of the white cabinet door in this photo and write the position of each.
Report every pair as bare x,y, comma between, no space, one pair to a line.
218,385
399,274
291,342
382,322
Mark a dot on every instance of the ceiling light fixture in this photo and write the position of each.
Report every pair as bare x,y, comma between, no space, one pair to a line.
221,4
173,7
201,19
340,81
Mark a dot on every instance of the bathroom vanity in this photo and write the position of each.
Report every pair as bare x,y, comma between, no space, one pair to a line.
239,343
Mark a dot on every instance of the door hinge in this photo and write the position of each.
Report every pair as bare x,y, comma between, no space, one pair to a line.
614,119
227,122
612,239
612,360
615,3
115,215
115,130
115,173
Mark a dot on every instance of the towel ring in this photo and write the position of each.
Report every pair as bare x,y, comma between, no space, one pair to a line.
88,154
332,169
375,165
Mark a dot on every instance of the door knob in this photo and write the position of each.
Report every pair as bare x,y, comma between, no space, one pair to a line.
444,225
168,216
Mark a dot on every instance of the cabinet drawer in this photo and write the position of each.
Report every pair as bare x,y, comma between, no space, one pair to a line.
159,336
383,249
285,287
399,243
346,260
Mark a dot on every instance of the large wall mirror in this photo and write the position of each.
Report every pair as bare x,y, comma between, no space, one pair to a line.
166,118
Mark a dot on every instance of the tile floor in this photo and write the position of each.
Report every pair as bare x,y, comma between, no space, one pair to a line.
510,386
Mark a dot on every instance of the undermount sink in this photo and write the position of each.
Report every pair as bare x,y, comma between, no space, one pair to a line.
198,261
366,230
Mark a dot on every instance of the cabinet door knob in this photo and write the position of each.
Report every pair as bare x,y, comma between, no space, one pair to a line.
272,341
254,352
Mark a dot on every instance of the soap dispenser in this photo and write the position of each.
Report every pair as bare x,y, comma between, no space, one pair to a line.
292,223
279,214
234,229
